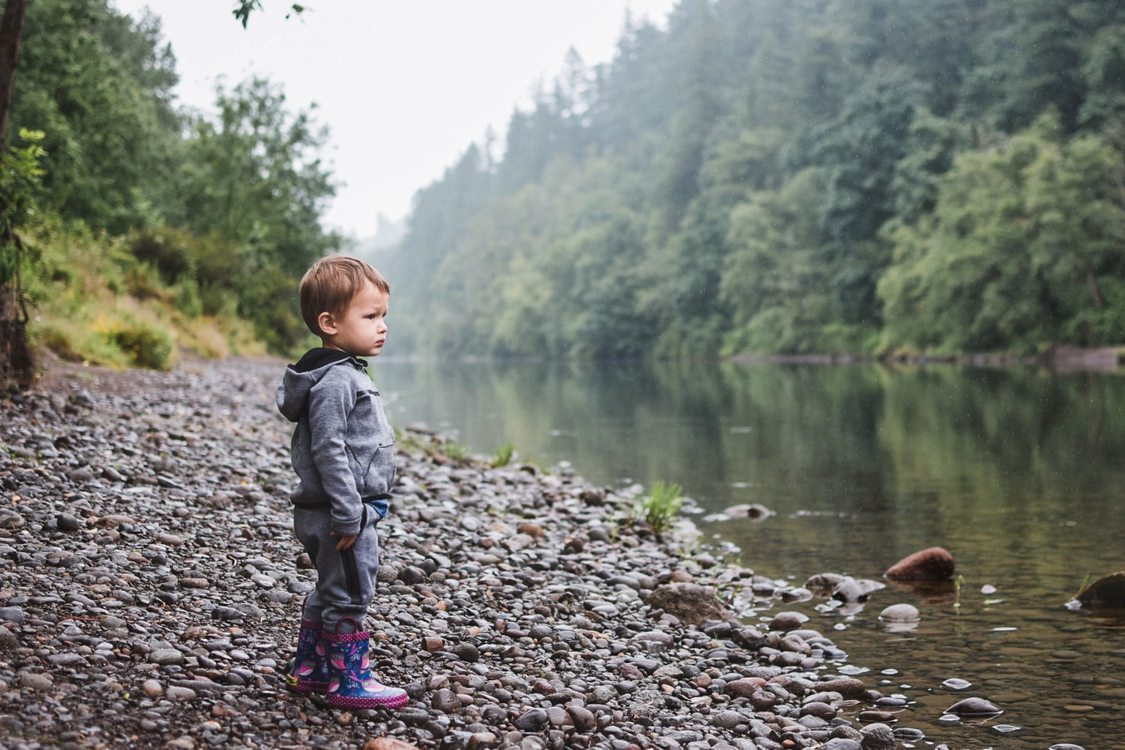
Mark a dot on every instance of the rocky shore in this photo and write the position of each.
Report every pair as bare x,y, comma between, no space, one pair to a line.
150,587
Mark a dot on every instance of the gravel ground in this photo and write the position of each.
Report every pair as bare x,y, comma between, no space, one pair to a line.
150,587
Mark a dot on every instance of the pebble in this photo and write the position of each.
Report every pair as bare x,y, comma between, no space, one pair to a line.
35,681
901,613
878,737
166,656
974,707
180,693
67,522
532,720
445,701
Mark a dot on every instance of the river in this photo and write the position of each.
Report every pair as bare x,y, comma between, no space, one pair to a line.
1020,473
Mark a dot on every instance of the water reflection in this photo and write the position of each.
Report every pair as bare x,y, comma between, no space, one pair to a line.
1017,472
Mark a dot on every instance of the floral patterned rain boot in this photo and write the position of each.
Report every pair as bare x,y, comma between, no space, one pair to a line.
350,682
309,673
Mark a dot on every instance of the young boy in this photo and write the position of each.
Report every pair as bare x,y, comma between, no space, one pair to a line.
343,453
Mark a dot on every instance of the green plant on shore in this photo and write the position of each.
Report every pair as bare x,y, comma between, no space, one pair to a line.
660,506
455,451
503,455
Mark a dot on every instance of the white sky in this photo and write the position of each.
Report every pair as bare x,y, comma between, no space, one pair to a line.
403,85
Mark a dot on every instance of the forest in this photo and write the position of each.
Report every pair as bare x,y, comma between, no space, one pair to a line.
886,178
140,226
889,177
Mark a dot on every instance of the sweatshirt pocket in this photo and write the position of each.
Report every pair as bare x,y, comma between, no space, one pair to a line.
380,475
357,469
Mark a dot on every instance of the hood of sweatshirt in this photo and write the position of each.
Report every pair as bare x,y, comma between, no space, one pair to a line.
293,395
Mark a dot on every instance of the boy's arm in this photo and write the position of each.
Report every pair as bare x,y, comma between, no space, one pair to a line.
330,402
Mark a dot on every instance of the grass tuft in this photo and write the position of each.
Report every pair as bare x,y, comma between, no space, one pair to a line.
658,509
503,455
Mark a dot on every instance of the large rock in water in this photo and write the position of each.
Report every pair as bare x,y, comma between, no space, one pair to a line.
1105,593
932,564
691,603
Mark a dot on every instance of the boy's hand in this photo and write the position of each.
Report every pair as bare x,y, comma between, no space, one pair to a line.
343,542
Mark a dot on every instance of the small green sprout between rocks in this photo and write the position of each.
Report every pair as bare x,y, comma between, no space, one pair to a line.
659,508
503,455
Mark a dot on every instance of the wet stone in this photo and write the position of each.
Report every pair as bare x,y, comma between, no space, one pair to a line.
841,743
878,737
532,720
974,707
788,621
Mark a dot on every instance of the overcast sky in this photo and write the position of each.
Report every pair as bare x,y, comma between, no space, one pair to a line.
403,85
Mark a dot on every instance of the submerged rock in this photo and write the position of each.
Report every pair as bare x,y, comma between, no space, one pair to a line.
755,511
849,589
900,613
932,564
823,584
974,707
1107,592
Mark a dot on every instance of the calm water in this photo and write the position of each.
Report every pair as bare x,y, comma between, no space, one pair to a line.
1019,473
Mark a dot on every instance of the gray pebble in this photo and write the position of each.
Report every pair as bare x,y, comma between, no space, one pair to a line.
35,681
166,656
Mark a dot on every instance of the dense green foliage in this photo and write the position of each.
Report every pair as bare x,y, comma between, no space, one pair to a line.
215,214
793,176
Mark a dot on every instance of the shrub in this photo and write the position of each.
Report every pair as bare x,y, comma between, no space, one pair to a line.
166,249
187,299
143,282
145,345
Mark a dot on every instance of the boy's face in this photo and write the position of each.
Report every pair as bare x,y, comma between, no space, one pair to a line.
361,329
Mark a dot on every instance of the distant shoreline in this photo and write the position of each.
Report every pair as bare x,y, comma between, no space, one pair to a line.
1059,359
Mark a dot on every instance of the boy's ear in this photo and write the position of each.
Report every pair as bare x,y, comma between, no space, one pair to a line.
326,321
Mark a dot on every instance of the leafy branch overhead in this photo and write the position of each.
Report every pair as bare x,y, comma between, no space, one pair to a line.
246,7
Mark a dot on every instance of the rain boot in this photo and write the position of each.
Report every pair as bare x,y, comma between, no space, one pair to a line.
309,673
350,682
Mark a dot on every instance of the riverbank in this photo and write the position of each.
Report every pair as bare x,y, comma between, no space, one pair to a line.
150,584
1059,359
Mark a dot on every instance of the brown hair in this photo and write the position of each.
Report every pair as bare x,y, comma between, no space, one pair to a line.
331,283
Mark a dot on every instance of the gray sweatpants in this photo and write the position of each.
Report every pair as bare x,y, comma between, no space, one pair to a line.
345,579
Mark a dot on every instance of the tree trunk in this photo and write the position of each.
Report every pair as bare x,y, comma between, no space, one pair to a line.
1095,289
11,29
16,365
15,358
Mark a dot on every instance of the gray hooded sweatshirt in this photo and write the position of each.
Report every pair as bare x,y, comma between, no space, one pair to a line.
343,445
